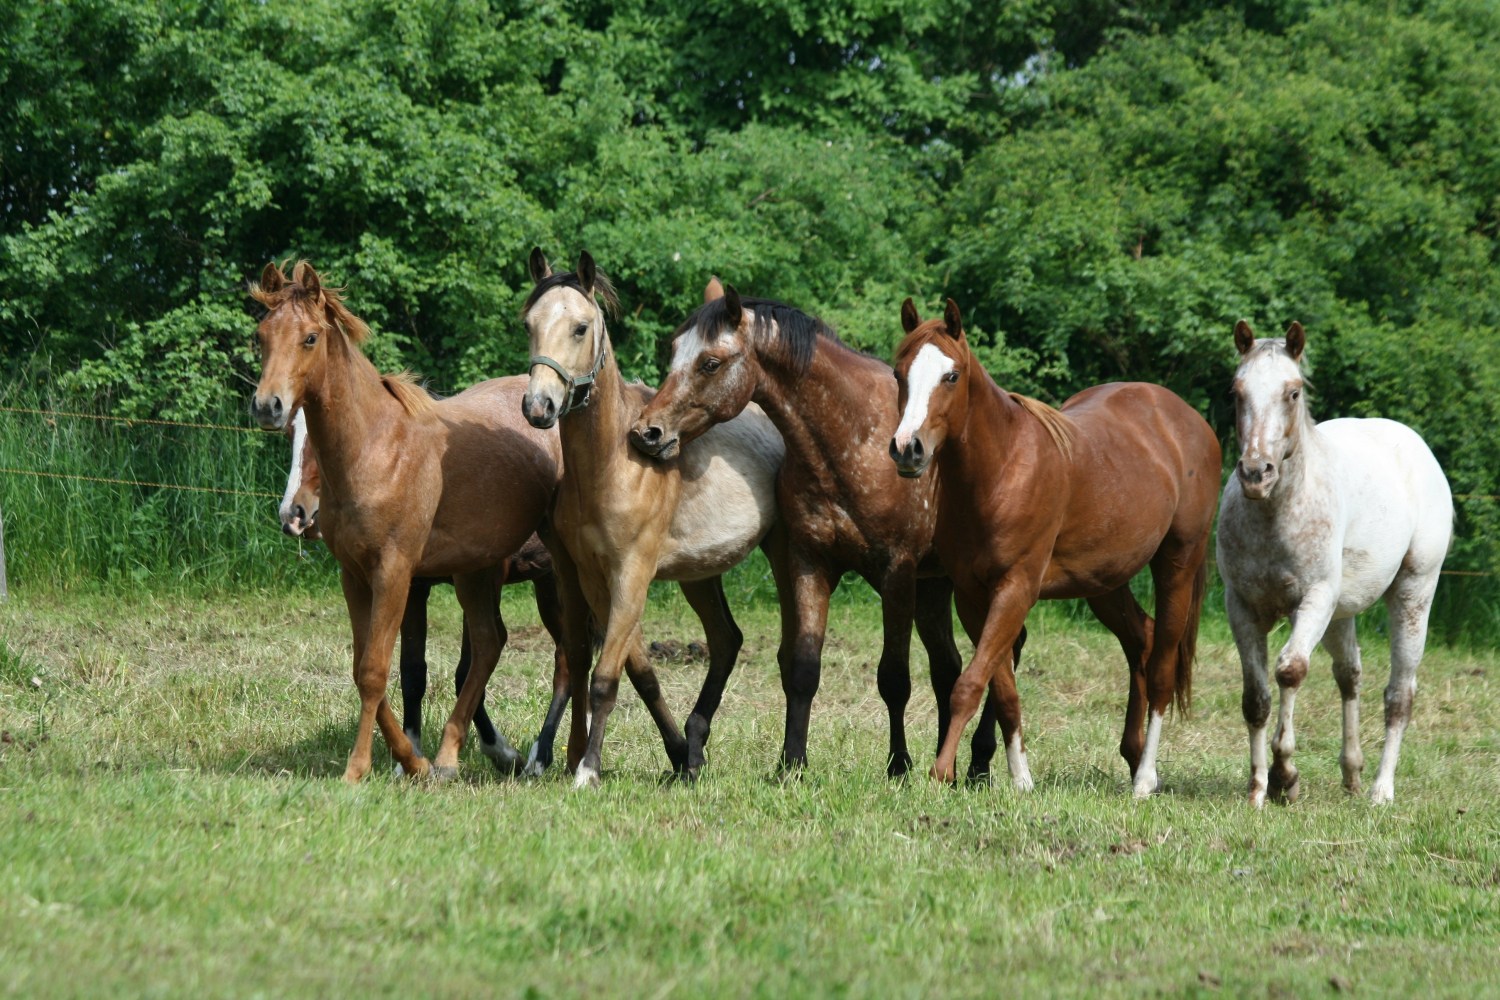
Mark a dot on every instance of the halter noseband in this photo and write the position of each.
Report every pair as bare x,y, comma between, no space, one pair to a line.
577,387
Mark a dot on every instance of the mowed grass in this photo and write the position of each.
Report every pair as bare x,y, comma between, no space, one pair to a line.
172,822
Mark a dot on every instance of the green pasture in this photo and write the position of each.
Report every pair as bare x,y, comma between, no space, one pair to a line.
173,823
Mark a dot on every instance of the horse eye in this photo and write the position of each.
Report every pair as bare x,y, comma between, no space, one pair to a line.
580,329
710,366
951,377
1295,394
312,338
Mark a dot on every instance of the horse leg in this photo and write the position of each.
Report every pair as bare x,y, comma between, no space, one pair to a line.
1179,574
804,622
1343,645
413,662
706,598
1309,622
1119,612
492,743
375,612
893,673
1408,603
934,616
626,602
478,595
549,610
998,623
643,678
1255,701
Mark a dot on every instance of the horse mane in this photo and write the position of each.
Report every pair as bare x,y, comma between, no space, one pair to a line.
1055,421
327,298
569,279
406,386
799,332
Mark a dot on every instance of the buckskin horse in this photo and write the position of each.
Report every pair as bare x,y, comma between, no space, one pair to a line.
1038,503
622,520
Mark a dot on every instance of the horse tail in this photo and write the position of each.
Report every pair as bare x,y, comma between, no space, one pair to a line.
1187,646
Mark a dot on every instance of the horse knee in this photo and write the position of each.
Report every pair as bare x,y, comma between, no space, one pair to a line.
893,680
1255,704
1291,671
602,693
800,672
1398,702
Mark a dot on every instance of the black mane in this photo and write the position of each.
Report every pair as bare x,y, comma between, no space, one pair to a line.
800,332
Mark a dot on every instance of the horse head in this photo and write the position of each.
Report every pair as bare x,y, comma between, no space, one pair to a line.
1269,407
300,502
565,325
713,377
292,340
932,368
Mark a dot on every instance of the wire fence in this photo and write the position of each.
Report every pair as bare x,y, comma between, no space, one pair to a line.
50,416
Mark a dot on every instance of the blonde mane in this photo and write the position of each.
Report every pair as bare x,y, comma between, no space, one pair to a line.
406,386
1057,423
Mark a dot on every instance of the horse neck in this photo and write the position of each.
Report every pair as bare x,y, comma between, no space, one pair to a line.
817,409
348,413
995,428
592,437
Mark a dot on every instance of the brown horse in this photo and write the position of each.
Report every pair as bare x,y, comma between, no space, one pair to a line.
412,487
1036,503
300,506
845,508
622,520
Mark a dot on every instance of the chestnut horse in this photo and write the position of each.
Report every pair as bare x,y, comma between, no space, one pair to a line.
844,507
1036,503
412,487
622,520
1318,522
299,518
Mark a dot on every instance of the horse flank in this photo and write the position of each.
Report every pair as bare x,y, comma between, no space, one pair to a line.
1055,421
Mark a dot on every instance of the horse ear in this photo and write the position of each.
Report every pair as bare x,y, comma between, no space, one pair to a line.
1244,337
732,306
952,321
713,290
271,279
586,272
538,266
909,318
307,277
1296,340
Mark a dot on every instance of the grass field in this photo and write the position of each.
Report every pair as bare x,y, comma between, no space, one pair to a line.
172,823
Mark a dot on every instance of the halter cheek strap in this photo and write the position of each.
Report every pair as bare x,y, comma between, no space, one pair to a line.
577,388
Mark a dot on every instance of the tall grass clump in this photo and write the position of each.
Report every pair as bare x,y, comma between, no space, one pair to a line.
66,529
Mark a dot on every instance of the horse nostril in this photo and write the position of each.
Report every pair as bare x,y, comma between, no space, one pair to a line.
916,449
652,435
895,452
1269,468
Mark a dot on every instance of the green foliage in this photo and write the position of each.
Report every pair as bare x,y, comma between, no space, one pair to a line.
1104,186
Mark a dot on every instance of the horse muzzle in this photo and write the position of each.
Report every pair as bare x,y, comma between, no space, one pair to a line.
651,441
269,411
912,460
540,410
1256,477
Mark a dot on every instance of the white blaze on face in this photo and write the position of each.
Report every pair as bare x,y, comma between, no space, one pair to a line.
294,477
686,349
922,378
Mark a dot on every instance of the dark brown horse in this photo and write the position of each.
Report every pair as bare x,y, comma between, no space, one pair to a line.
300,505
412,487
1036,503
845,508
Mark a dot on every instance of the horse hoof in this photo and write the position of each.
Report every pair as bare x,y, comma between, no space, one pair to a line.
1382,793
442,774
586,777
1284,786
1144,789
506,760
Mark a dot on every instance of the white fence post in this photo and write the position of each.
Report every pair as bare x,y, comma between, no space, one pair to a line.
4,592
